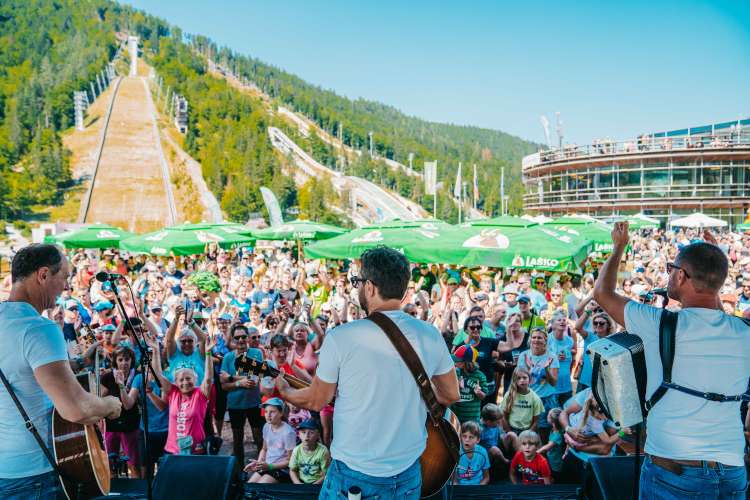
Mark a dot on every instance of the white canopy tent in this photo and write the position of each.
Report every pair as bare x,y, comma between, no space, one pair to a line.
698,219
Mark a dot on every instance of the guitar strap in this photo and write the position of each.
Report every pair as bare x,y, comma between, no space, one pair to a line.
30,425
435,410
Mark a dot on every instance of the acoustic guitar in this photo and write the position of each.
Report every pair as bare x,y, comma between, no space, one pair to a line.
440,457
79,450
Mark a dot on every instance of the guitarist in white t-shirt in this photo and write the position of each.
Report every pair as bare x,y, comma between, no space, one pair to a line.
379,419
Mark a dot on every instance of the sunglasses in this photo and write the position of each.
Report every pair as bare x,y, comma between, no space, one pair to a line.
240,337
356,281
600,323
475,327
254,337
671,267
186,341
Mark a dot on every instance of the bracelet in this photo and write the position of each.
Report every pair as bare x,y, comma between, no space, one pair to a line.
237,383
567,428
621,433
270,467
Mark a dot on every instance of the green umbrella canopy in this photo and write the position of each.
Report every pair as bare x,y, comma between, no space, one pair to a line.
534,247
502,221
186,239
588,228
395,234
299,230
91,236
745,226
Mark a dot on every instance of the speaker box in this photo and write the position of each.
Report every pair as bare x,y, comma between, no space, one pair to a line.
610,478
198,477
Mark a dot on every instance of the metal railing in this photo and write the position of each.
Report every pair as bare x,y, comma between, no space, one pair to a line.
640,145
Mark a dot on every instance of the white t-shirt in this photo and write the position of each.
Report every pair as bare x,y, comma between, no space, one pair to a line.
712,355
379,418
28,341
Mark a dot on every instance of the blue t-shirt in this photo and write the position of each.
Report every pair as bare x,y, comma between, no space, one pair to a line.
471,470
539,383
586,369
490,436
265,301
158,420
555,347
241,399
194,361
28,341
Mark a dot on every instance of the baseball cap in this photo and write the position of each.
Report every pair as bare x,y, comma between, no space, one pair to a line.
310,423
225,317
156,306
510,288
71,304
108,328
452,281
525,299
465,353
274,402
481,296
102,305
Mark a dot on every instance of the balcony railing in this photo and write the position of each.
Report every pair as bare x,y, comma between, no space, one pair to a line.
643,144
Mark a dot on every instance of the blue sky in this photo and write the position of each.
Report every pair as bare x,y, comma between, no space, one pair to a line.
613,69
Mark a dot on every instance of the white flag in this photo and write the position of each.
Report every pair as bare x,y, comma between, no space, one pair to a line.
272,204
430,177
457,187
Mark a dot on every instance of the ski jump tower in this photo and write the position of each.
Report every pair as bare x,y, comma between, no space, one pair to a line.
133,49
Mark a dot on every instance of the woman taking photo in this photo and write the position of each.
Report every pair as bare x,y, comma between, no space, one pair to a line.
123,431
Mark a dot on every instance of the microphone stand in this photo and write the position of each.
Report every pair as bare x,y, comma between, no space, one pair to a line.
145,368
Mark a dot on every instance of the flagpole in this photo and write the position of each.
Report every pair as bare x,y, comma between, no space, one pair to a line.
434,195
502,191
475,187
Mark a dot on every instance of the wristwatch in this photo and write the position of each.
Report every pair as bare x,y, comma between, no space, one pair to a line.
237,384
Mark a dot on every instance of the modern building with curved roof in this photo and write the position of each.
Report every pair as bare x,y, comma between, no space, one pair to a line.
663,174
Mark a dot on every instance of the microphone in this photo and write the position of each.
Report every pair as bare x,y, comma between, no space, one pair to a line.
662,292
104,276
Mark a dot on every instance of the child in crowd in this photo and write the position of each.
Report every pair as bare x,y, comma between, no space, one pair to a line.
521,407
528,465
589,422
555,447
297,416
310,459
492,435
473,462
472,384
279,439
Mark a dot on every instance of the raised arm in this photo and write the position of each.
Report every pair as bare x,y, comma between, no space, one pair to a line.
171,341
606,283
208,376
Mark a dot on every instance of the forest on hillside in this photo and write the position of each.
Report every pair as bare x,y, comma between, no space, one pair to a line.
48,49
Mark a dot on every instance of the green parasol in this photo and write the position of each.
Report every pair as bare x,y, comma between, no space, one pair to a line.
396,234
502,221
186,239
299,230
91,236
588,228
745,226
534,247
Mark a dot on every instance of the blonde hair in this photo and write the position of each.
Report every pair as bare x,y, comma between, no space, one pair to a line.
529,436
510,398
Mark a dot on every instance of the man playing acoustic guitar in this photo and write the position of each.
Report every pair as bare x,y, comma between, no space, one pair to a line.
379,419
34,359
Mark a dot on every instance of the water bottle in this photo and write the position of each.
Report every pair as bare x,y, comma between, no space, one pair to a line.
354,493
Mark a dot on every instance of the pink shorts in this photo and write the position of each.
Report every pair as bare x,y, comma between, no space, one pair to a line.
326,411
128,441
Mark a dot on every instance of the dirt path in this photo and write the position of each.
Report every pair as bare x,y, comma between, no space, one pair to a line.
129,188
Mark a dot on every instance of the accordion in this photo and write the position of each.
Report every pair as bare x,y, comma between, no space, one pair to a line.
618,380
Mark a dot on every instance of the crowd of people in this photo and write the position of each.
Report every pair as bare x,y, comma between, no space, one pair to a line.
219,324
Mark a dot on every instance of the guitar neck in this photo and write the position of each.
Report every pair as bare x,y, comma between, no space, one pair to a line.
295,382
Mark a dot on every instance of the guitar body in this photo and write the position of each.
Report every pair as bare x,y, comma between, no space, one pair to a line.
440,456
80,455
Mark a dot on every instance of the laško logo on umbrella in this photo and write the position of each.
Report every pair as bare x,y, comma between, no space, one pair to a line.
519,261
